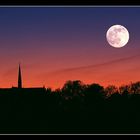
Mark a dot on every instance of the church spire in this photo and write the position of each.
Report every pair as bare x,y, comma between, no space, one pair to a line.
19,78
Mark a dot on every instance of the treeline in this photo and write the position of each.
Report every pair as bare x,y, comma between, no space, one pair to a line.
77,88
75,108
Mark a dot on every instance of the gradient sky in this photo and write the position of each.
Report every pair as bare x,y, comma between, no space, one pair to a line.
56,44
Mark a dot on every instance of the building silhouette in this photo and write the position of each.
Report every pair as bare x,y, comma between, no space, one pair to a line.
20,87
19,78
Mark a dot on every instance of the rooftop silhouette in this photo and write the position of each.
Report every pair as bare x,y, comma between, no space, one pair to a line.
20,86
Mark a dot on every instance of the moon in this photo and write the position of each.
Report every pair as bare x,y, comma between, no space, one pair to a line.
117,36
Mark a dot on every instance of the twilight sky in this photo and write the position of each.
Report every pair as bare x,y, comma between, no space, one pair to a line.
56,44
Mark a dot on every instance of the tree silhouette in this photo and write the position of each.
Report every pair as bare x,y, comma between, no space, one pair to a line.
94,90
125,91
111,89
72,89
135,88
74,108
94,96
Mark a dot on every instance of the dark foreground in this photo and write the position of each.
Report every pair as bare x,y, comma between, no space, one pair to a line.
50,112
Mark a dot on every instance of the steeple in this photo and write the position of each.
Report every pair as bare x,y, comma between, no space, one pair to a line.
19,78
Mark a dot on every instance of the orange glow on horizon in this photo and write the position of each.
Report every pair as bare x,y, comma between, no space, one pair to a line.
114,72
59,81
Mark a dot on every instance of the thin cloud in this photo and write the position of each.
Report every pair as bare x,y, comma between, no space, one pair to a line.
74,69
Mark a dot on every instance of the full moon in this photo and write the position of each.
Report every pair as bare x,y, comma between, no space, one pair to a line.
117,36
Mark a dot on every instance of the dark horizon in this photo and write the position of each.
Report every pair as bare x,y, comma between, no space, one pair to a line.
74,109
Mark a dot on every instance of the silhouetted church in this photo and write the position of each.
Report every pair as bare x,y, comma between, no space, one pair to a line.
19,78
21,89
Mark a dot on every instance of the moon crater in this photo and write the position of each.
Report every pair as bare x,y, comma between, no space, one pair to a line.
117,36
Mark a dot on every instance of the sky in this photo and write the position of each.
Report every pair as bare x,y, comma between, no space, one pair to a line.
57,44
